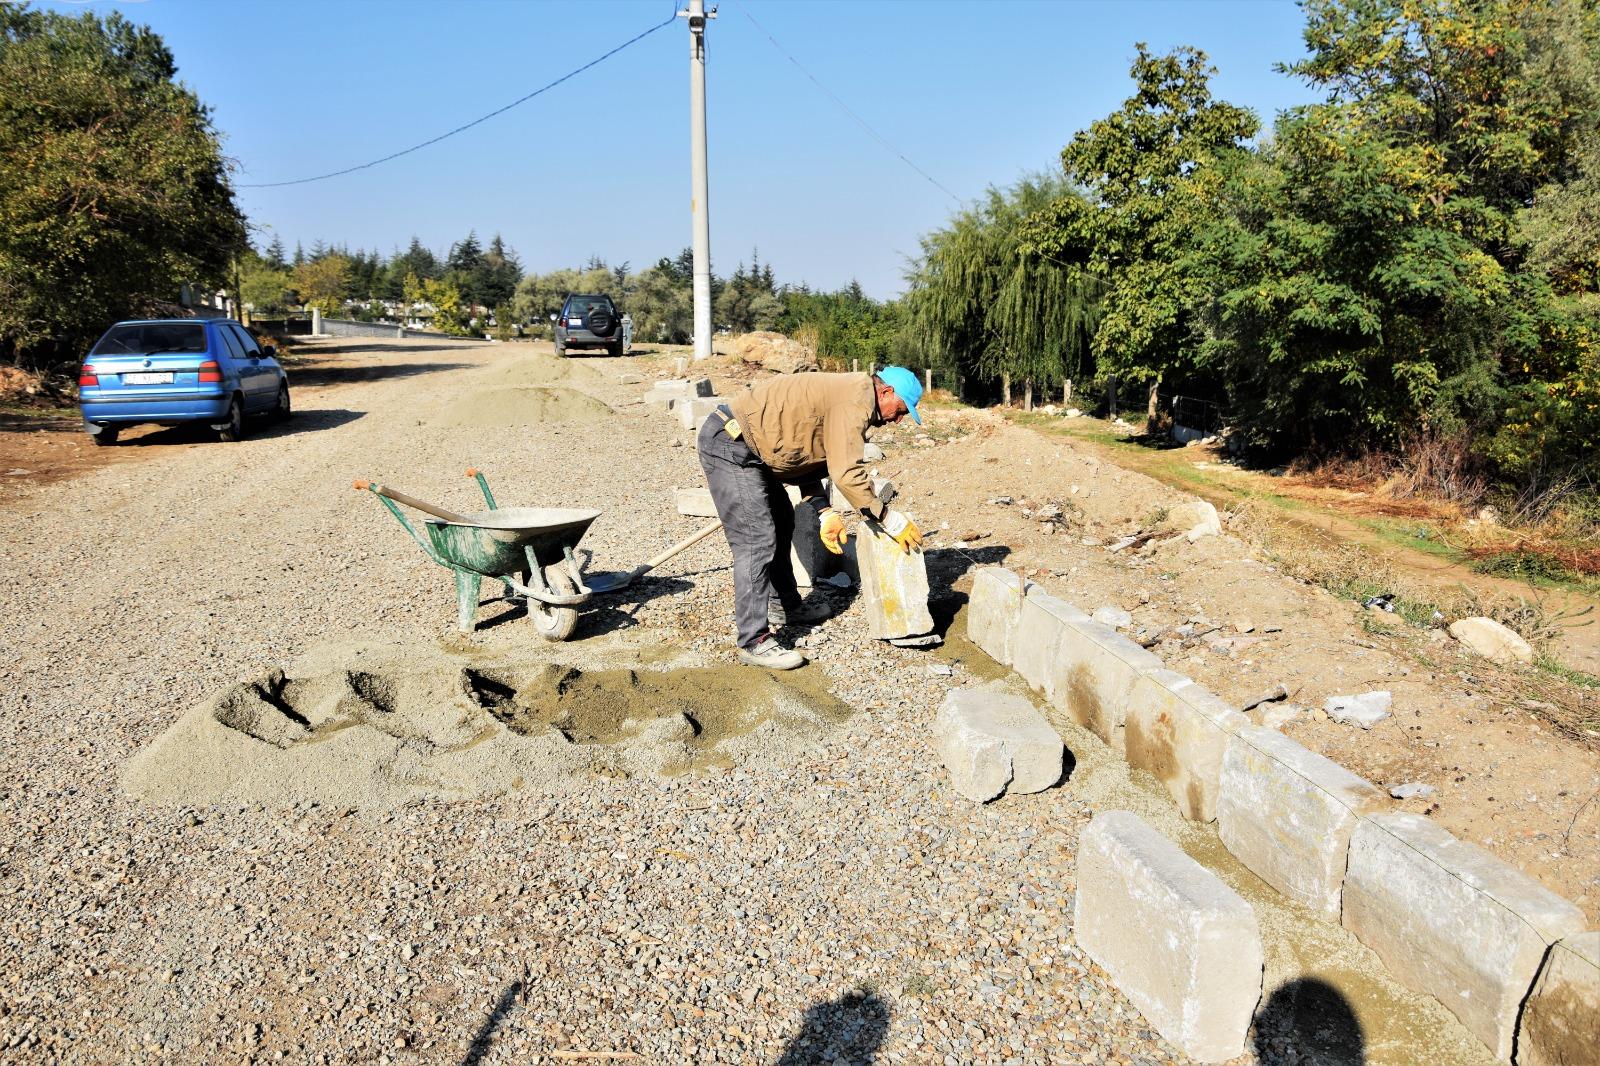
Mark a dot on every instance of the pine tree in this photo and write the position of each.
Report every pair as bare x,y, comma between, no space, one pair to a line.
299,254
274,256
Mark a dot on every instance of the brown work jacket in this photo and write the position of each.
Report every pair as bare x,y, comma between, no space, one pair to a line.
806,425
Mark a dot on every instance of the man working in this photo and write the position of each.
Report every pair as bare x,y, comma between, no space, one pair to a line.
795,429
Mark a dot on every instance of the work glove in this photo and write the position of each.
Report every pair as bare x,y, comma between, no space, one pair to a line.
903,530
833,531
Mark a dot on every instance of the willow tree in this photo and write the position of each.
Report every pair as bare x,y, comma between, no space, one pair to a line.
981,303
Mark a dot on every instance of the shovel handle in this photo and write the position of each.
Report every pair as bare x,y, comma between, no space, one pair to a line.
410,501
687,542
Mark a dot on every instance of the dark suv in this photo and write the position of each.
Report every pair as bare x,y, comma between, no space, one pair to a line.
589,320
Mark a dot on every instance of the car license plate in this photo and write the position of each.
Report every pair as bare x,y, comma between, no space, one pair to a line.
147,379
575,322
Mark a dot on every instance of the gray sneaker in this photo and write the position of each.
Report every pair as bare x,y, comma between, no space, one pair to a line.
772,655
807,613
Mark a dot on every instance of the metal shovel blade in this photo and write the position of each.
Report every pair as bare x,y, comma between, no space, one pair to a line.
613,581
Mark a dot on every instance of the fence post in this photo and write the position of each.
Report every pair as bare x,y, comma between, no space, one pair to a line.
927,380
1066,391
855,366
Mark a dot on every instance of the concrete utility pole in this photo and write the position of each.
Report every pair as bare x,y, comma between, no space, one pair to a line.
699,205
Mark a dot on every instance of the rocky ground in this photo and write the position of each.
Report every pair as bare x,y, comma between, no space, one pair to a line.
837,904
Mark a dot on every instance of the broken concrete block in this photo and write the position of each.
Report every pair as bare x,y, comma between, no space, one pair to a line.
1365,710
992,741
1288,813
1112,617
993,608
695,411
629,377
1561,1022
1181,945
1194,519
1451,920
1177,731
1492,640
676,390
696,503
894,584
1036,642
871,453
1096,671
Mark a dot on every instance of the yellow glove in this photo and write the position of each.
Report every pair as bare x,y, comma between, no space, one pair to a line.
903,530
833,531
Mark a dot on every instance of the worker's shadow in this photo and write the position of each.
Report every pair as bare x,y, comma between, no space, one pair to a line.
847,1030
604,613
1308,1020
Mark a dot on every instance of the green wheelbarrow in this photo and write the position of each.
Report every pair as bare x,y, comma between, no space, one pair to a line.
528,549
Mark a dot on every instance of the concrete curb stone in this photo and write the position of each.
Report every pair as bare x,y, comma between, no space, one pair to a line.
1099,668
1561,1020
993,609
1288,813
993,741
1178,731
1451,920
1180,944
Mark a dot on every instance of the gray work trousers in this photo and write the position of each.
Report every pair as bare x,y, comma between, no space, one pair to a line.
758,520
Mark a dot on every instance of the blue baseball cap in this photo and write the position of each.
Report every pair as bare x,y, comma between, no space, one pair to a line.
906,386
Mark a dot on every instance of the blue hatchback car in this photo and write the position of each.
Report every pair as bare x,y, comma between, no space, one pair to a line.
176,370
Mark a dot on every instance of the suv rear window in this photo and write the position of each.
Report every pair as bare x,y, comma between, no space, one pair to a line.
579,305
150,338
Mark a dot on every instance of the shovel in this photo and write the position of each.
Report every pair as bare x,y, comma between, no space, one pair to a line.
615,582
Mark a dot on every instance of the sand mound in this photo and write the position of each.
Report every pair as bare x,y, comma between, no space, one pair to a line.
488,408
773,351
442,725
545,370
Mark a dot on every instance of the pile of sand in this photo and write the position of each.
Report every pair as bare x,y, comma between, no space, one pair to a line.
488,408
539,369
352,732
773,351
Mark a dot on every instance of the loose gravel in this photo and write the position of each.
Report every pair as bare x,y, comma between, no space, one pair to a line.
839,904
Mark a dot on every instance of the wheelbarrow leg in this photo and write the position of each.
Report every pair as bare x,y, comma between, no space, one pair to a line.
466,599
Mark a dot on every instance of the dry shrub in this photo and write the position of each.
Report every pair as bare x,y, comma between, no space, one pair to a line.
1428,466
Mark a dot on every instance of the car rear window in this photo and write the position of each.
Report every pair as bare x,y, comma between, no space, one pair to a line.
579,305
150,338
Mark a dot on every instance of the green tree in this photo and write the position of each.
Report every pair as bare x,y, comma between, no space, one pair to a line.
1149,174
322,283
263,287
274,254
113,187
984,302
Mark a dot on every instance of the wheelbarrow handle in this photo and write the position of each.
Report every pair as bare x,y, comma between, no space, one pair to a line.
410,501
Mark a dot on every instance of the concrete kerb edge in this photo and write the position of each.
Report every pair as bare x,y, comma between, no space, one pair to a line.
1550,945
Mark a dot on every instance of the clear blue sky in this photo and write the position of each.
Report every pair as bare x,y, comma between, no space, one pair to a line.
974,93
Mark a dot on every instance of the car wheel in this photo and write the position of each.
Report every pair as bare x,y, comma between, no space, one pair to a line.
614,349
232,432
106,437
555,623
283,410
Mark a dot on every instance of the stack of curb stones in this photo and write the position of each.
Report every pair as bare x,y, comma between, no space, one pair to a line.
1448,918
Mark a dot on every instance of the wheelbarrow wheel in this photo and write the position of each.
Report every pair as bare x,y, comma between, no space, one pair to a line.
555,623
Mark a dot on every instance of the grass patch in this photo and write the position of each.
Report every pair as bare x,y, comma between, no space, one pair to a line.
1567,673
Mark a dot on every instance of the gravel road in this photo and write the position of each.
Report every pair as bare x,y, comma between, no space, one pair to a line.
839,907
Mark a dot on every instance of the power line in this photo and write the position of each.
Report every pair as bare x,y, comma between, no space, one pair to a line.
846,107
477,121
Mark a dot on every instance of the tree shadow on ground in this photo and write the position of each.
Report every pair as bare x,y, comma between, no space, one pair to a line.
255,428
484,1039
847,1030
317,373
1308,1020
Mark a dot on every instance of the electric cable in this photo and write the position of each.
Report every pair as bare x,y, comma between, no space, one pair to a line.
846,107
477,121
